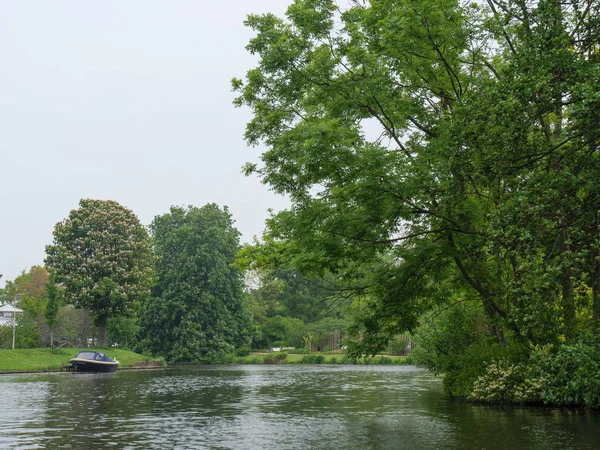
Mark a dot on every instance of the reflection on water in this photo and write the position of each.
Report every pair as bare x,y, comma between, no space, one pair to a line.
271,407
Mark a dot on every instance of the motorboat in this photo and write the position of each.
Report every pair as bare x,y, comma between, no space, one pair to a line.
92,361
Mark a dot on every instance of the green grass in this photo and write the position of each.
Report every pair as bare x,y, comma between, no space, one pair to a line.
45,359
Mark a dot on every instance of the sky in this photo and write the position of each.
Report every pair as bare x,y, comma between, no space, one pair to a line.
122,100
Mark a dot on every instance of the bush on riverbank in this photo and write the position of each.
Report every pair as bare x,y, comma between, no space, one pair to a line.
298,351
567,375
313,359
459,344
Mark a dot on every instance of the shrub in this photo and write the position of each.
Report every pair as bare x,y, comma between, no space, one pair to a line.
568,375
496,384
225,358
573,375
348,360
456,343
254,359
383,360
397,345
243,350
275,358
313,359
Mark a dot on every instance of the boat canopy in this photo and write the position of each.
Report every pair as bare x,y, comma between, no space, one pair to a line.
95,356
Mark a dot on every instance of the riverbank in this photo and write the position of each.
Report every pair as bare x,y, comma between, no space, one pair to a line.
53,359
318,358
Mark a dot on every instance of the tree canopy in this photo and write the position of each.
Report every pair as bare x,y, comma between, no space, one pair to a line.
436,153
102,259
197,312
27,292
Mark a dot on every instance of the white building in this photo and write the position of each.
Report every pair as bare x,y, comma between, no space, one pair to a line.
8,315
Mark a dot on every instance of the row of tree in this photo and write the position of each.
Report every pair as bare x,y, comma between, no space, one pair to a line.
174,290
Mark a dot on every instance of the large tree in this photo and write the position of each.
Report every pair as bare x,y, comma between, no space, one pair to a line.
102,258
450,147
197,312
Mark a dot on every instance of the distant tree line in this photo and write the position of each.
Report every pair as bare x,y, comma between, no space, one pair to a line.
176,289
172,292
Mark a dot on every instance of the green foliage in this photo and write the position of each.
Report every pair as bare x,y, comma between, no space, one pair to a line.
282,331
397,345
285,293
197,312
457,343
251,359
275,358
75,327
573,375
434,153
243,350
28,292
122,331
379,360
5,337
287,307
299,351
101,257
348,360
313,359
567,375
53,304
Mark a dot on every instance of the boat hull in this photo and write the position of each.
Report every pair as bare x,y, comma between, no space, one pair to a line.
79,365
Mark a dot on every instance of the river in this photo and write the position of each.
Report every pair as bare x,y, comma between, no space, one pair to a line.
271,407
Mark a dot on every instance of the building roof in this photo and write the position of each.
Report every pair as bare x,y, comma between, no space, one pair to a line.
10,308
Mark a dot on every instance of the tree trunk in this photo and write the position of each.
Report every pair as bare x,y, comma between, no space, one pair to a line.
595,289
595,275
101,323
568,291
490,307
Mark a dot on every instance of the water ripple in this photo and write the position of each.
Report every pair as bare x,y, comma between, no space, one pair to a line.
270,407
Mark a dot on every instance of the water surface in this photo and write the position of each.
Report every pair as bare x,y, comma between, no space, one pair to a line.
271,407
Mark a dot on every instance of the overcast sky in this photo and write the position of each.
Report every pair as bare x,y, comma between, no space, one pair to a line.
122,100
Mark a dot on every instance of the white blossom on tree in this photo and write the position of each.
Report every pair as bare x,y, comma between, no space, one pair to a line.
101,255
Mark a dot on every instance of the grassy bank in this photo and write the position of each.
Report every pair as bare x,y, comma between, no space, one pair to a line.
317,358
46,359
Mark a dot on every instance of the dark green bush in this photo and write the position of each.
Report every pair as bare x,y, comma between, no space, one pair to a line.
383,360
568,375
313,359
255,359
573,375
243,350
348,360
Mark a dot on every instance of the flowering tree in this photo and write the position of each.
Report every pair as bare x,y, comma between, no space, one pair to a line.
102,256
